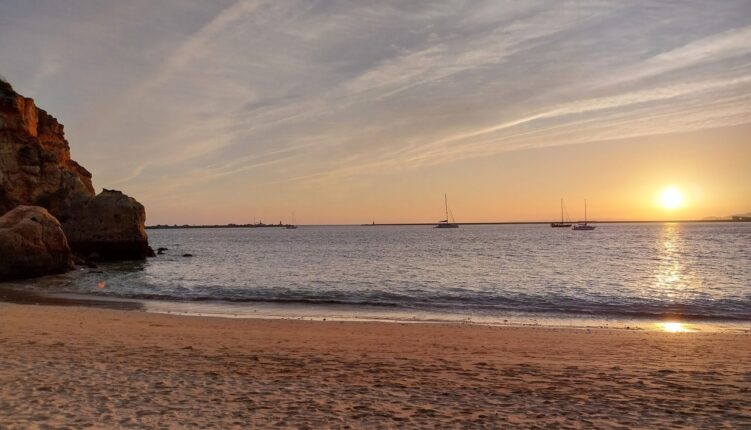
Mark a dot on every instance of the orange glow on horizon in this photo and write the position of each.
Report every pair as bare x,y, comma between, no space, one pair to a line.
515,186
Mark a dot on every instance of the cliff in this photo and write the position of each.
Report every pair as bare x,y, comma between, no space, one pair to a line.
35,163
36,169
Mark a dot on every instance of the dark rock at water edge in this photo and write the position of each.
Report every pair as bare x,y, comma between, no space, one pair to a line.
32,243
78,260
112,251
110,225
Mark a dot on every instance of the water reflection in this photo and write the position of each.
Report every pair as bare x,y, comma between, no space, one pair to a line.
674,327
670,273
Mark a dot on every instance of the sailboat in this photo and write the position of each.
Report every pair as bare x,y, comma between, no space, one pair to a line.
445,223
562,223
291,226
583,225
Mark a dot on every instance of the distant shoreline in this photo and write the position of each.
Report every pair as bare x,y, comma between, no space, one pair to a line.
170,227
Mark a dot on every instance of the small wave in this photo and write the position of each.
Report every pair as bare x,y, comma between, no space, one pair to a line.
572,309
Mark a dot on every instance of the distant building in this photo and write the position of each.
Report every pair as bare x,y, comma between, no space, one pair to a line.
741,218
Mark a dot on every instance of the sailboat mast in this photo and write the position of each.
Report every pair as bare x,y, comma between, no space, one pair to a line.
446,206
561,211
585,211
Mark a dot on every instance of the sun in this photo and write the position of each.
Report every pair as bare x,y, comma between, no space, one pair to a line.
671,198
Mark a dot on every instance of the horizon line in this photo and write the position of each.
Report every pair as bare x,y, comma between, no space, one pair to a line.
406,224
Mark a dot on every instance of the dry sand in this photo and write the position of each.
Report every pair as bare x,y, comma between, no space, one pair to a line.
74,367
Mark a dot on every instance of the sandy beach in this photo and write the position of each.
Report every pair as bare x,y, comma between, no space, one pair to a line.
75,367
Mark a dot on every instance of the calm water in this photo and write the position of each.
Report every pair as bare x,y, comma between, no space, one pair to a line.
694,271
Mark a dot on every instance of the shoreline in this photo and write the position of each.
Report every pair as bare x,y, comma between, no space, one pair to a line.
363,313
115,368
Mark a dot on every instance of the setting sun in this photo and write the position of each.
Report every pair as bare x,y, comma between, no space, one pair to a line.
671,198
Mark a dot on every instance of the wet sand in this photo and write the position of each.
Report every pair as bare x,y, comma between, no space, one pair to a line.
76,367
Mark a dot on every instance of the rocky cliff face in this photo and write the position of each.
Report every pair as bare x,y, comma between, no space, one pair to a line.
35,164
36,169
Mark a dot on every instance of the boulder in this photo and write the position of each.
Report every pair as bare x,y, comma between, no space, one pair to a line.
109,226
32,243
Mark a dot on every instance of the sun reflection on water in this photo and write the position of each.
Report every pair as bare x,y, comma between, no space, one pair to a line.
674,327
670,276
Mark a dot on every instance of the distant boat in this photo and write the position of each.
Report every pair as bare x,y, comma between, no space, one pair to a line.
291,226
562,223
445,223
583,225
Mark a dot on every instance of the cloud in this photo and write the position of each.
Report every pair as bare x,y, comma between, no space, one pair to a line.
198,44
712,49
285,91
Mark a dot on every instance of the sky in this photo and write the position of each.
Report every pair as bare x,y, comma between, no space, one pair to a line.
359,111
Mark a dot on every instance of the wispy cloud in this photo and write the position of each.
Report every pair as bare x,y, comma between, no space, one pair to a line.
306,91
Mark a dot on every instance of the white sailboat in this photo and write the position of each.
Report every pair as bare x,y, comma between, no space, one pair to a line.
583,225
445,223
562,223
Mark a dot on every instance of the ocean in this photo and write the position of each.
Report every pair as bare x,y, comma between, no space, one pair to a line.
491,273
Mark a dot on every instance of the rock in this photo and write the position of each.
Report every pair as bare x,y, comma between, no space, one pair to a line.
80,261
32,243
162,249
35,164
36,169
110,225
187,255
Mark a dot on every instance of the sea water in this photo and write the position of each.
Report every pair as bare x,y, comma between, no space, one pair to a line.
684,271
